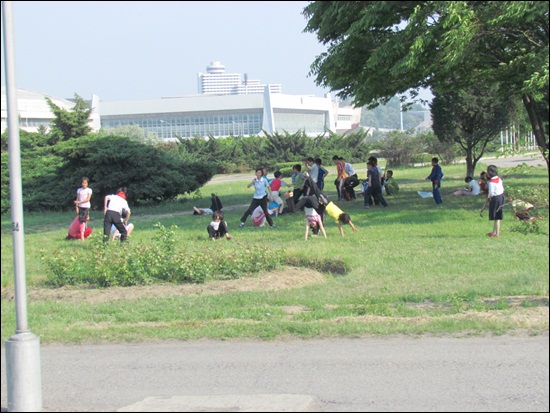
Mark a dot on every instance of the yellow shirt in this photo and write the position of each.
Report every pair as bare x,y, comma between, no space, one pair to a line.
333,210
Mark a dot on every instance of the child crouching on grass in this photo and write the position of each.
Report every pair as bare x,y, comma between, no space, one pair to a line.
218,227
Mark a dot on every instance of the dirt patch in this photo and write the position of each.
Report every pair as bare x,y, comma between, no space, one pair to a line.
287,278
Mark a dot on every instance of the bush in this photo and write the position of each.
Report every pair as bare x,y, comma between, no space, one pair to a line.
125,264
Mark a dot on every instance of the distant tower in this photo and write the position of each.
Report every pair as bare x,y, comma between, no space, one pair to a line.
216,82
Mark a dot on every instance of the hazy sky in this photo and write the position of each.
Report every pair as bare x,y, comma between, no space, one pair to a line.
122,50
132,50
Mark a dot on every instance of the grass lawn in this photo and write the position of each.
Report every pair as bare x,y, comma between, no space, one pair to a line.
413,268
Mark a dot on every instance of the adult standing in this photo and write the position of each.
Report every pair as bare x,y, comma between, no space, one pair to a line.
435,176
261,188
114,207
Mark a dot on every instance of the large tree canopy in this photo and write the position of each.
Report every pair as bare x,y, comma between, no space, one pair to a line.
377,49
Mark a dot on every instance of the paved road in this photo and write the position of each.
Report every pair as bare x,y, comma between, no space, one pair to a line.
507,373
533,159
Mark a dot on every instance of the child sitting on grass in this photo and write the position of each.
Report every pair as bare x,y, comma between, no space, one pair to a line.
218,227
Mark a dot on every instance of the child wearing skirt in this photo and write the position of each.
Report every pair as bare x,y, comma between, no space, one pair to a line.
495,197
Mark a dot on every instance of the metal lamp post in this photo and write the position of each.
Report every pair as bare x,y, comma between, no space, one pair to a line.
23,348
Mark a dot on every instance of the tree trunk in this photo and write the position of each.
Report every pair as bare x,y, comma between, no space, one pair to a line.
536,124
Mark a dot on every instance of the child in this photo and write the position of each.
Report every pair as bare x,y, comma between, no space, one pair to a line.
390,184
298,182
215,205
218,227
483,183
375,187
83,196
435,176
115,232
340,217
340,175
322,173
202,211
115,208
313,221
275,186
78,229
274,208
472,189
261,188
495,197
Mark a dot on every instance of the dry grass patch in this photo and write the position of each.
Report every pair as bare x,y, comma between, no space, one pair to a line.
286,278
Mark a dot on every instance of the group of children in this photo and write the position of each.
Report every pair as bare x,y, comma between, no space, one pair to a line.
116,211
489,184
307,196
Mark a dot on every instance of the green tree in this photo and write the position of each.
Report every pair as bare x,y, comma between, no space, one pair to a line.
471,117
69,124
51,174
398,148
377,49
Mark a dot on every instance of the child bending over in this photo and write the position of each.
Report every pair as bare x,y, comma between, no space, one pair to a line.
313,222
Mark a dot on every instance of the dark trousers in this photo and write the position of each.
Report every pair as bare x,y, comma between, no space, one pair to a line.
113,217
311,201
337,185
253,205
220,232
376,193
349,183
369,198
437,194
297,193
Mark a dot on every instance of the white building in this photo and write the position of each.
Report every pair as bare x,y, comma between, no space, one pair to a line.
216,82
34,111
226,115
201,115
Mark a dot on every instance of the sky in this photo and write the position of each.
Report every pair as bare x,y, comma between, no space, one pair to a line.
133,50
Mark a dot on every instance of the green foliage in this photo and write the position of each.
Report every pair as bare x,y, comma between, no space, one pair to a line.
398,148
160,260
243,154
377,49
71,124
51,174
528,227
